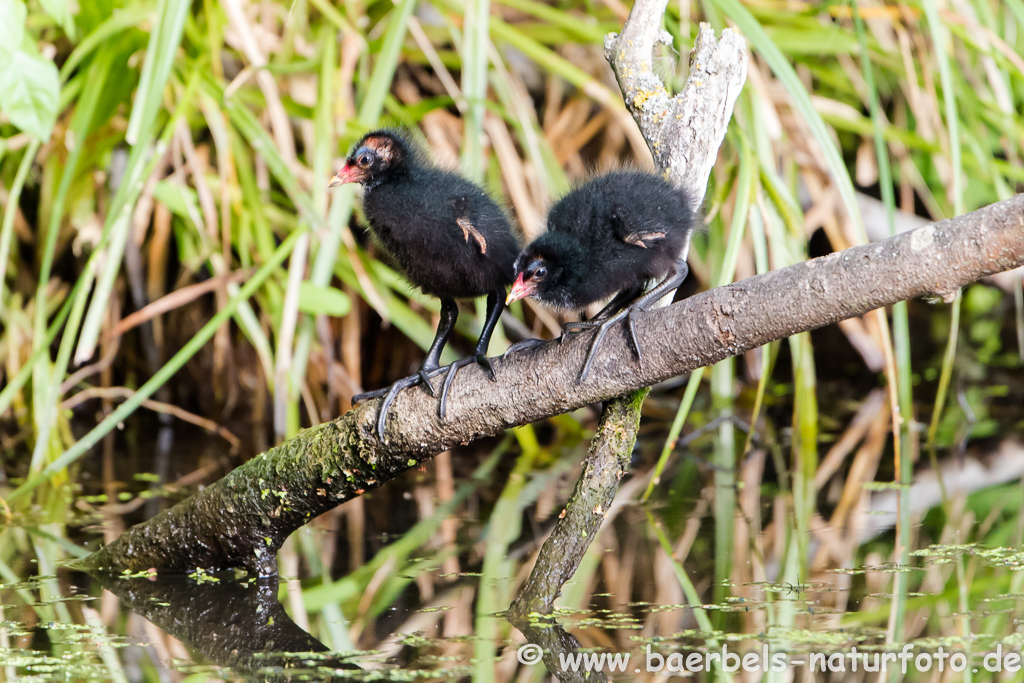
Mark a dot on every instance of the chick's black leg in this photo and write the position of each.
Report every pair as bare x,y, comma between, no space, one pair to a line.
617,303
449,314
670,283
429,368
495,305
431,364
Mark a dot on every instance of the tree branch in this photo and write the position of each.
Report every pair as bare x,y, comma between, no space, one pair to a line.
695,121
562,552
685,131
244,518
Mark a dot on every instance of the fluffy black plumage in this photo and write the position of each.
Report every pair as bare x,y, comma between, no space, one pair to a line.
609,236
445,234
614,233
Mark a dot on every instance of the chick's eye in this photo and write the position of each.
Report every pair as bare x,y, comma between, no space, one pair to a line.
363,160
540,273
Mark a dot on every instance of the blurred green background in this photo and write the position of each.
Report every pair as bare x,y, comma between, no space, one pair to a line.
179,292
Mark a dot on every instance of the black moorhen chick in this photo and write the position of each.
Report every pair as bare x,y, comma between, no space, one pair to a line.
611,235
445,234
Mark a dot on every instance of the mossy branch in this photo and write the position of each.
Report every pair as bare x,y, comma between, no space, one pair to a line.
244,518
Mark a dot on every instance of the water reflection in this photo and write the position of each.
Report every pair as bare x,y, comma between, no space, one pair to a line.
238,624
237,629
553,645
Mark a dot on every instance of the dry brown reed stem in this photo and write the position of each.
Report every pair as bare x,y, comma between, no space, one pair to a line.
169,302
110,393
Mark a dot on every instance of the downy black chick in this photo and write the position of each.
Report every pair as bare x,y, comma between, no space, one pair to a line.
445,234
610,236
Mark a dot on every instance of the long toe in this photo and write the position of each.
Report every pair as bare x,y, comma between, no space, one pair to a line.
421,377
449,379
522,346
594,346
424,377
385,406
485,362
567,331
367,395
602,330
577,325
633,340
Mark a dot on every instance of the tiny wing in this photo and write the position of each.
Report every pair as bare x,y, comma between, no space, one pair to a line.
634,235
466,225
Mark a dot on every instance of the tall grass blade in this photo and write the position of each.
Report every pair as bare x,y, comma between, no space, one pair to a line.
475,38
10,211
165,373
938,35
46,393
723,376
900,322
498,572
160,55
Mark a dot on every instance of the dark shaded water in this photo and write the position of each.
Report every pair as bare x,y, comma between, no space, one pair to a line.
73,627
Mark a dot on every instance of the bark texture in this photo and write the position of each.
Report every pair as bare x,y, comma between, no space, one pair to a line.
244,518
606,464
683,131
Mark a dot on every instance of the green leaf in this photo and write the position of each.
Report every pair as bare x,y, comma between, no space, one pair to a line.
30,92
316,300
58,10
12,26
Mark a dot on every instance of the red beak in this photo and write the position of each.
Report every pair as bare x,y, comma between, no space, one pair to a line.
520,290
347,174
